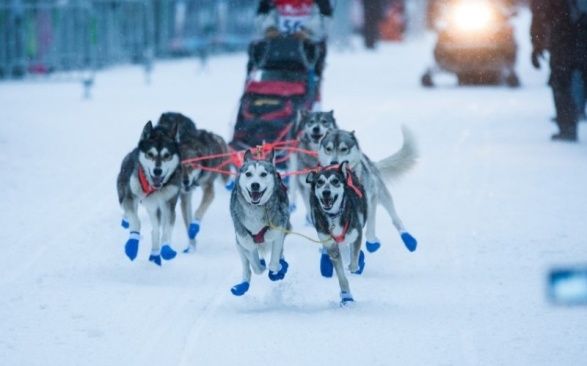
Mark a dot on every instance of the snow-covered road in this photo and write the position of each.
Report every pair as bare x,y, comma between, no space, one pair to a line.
493,203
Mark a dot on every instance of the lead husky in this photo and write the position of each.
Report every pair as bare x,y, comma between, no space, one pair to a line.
339,211
195,143
150,174
310,129
339,145
259,209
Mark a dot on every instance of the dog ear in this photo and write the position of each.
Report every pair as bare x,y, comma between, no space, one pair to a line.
147,131
331,113
344,169
174,132
270,156
249,155
311,177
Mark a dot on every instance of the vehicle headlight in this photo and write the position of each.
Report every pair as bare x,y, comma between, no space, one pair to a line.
472,16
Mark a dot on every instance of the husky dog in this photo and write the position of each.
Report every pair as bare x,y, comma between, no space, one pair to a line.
339,145
339,211
310,129
195,143
259,208
150,174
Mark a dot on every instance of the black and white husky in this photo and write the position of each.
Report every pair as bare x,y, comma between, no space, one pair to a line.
339,145
339,211
195,143
150,174
259,209
310,128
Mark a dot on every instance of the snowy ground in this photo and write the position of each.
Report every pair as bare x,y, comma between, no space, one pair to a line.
493,203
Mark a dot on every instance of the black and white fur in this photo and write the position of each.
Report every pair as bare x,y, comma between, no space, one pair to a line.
340,145
195,143
258,205
310,128
338,211
157,155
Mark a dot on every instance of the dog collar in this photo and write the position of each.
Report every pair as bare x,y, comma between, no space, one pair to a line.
145,185
259,238
340,238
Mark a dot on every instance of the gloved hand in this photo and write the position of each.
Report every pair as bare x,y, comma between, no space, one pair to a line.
537,54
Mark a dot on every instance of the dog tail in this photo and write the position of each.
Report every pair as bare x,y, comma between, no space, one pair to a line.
403,160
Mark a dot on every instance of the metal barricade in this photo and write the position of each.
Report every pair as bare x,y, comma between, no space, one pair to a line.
71,39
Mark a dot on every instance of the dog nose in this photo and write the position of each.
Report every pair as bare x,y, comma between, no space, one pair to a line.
326,194
316,129
334,162
255,186
157,171
186,182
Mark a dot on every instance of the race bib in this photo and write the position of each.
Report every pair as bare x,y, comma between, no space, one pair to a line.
292,24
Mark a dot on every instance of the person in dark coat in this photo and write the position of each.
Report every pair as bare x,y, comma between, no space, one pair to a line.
372,15
292,15
560,27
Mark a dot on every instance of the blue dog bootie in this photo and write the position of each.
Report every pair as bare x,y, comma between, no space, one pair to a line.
167,252
131,248
326,266
240,289
124,223
230,186
345,298
155,257
361,263
280,275
373,246
193,229
409,241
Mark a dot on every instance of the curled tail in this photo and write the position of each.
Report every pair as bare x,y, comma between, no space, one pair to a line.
403,160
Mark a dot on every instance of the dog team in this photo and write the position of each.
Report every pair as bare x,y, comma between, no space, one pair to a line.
339,185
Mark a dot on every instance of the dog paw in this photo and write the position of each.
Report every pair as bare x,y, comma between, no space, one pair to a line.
361,264
229,185
240,289
326,266
167,252
155,259
346,298
372,247
193,229
190,248
124,223
280,275
409,241
131,248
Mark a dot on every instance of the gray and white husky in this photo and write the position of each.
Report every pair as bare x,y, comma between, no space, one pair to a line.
339,211
150,174
259,209
310,128
195,143
339,145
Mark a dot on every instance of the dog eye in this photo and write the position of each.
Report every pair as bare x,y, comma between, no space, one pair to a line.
320,182
166,156
335,182
324,122
329,149
344,149
248,174
263,175
150,155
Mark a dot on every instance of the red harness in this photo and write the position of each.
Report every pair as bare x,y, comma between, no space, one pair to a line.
259,238
145,185
340,238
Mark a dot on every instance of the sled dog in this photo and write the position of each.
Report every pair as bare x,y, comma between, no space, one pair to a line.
310,128
259,209
339,211
339,145
195,143
150,174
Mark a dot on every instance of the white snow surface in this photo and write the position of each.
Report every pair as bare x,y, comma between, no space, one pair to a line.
493,202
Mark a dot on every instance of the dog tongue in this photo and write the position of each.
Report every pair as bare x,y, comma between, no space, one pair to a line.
157,181
256,195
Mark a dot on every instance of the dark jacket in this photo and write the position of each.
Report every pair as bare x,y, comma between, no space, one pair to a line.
552,28
265,6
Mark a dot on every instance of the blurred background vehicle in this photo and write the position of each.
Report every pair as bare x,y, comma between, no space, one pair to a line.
475,42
